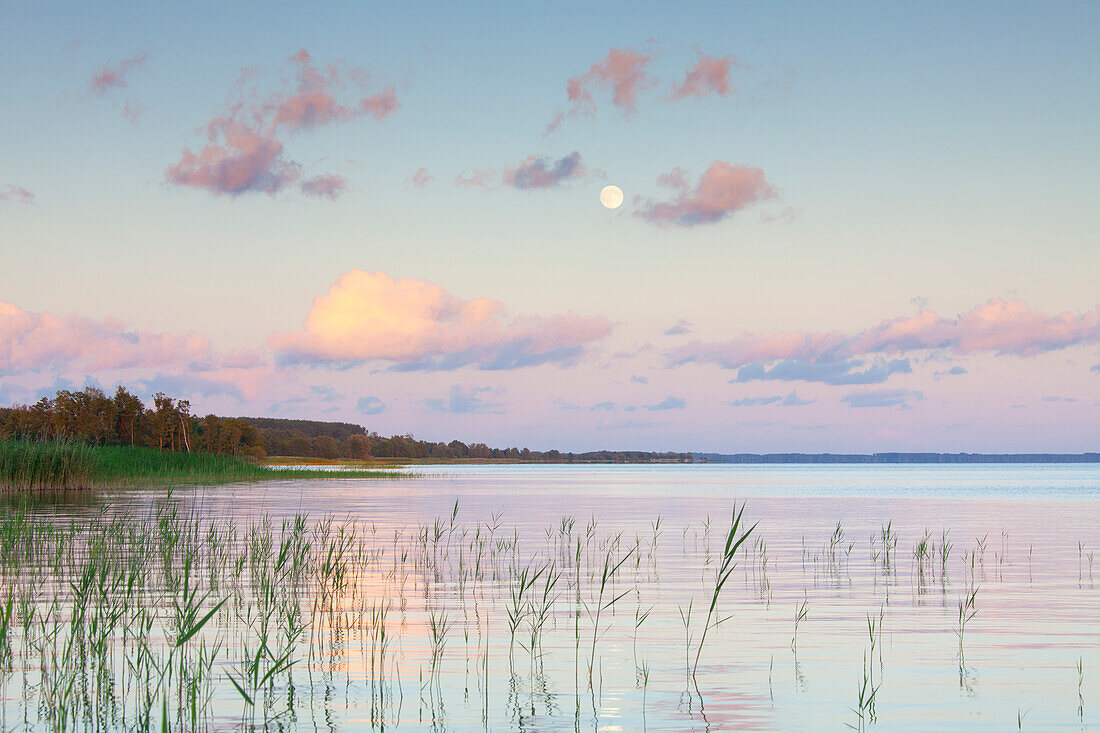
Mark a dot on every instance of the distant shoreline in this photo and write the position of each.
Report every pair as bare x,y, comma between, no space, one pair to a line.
740,458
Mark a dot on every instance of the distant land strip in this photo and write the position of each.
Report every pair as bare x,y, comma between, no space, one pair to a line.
896,457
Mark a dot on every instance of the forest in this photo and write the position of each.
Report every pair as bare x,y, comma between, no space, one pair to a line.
93,416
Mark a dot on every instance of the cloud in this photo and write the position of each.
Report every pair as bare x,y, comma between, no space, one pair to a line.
952,372
1095,368
42,342
370,406
326,185
1003,328
12,192
638,379
623,72
109,77
882,398
791,400
422,178
419,326
464,402
710,75
34,342
533,172
827,372
723,190
244,148
245,161
545,172
668,403
755,401
679,328
325,394
189,384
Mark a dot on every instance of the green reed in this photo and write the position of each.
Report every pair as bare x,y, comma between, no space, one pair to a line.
37,466
722,574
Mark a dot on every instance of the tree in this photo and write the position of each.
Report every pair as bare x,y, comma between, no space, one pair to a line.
129,412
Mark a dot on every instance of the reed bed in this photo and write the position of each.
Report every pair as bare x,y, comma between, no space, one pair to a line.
168,617
72,466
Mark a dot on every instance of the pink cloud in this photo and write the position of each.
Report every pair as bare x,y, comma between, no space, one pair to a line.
545,172
11,192
1000,327
110,77
623,71
38,341
422,178
380,105
723,190
326,185
243,161
710,75
42,342
418,325
244,150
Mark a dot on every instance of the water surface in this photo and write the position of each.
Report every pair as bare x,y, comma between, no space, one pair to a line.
896,546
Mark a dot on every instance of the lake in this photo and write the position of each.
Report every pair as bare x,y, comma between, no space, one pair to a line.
550,597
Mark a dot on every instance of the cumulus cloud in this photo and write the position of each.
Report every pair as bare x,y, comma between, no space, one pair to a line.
419,326
623,72
42,342
545,172
244,148
460,401
709,75
882,398
422,178
114,76
32,342
723,190
370,405
326,185
11,192
669,403
1000,327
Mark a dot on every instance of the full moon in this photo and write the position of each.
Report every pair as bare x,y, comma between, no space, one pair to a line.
611,197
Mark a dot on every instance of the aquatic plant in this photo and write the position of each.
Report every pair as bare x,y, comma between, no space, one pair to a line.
722,574
35,466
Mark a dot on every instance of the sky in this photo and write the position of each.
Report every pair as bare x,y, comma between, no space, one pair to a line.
848,226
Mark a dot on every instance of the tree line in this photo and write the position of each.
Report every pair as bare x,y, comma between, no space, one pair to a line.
91,415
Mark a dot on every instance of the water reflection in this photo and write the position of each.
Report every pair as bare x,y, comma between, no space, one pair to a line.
476,599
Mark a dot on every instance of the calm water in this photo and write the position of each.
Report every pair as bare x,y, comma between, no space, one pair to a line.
449,547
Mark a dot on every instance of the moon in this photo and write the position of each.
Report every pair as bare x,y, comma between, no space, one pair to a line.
611,197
